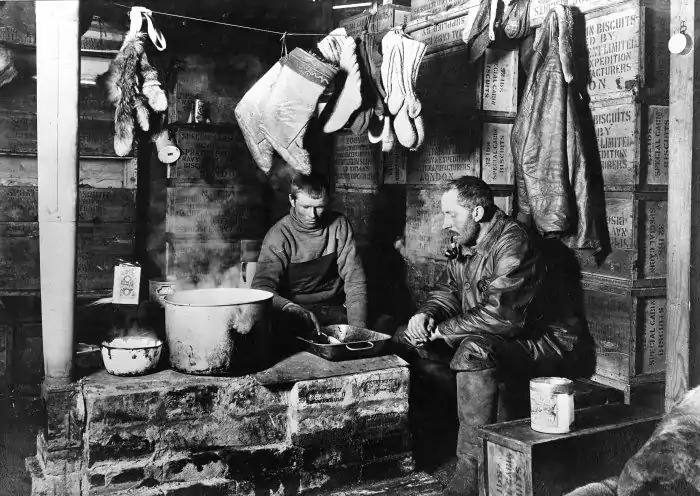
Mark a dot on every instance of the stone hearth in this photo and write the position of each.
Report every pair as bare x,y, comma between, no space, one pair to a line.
176,434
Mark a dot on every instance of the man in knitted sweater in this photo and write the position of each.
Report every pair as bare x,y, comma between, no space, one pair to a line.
309,262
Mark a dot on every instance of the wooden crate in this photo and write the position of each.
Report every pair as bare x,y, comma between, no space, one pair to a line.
99,247
445,34
514,460
387,17
211,156
216,214
105,172
637,227
449,86
452,148
359,206
627,53
19,204
633,146
629,329
359,163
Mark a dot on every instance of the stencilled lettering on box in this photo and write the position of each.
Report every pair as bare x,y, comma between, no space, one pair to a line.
355,160
449,151
507,471
654,355
500,80
497,159
657,145
614,53
618,144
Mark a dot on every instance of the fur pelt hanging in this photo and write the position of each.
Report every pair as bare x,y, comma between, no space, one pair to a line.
132,87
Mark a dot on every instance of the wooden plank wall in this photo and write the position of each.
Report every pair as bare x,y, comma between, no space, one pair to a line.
107,197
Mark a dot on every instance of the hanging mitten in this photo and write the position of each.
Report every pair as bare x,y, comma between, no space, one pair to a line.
151,87
388,137
249,116
404,126
392,71
122,88
375,128
332,45
350,97
8,72
291,103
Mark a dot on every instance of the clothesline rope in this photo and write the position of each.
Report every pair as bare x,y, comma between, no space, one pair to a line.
227,24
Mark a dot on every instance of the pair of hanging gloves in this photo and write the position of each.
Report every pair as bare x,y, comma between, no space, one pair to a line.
378,94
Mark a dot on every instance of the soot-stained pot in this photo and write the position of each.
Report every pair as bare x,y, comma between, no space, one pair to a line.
216,331
131,356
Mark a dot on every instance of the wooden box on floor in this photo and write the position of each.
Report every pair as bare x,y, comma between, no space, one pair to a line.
514,460
629,329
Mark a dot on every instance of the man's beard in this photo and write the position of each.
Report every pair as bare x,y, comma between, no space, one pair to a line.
467,235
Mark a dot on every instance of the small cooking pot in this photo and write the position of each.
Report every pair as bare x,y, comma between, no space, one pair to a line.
131,355
205,327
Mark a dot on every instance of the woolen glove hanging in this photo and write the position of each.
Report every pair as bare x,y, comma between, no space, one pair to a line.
291,104
392,77
249,116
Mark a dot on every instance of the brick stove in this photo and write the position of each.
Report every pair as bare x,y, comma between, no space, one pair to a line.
176,434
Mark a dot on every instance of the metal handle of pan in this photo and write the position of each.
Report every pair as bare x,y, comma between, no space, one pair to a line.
359,346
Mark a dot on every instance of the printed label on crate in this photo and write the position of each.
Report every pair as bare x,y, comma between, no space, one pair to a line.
424,220
654,239
616,130
205,154
614,53
497,159
451,150
620,223
395,164
214,212
447,84
446,34
508,471
356,160
654,355
500,80
610,320
657,145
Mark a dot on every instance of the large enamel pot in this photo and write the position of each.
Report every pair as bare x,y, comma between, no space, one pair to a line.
209,330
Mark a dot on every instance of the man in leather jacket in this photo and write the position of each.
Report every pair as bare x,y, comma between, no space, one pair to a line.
485,318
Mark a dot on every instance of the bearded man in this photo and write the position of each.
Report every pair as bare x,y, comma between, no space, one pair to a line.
485,319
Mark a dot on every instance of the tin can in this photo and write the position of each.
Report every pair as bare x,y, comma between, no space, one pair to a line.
551,405
198,111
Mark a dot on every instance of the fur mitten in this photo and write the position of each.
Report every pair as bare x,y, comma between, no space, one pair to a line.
8,72
122,89
151,87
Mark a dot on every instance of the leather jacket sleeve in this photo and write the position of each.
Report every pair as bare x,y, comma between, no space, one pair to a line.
504,296
444,300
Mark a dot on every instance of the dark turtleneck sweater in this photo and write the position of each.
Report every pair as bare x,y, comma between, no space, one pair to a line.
313,266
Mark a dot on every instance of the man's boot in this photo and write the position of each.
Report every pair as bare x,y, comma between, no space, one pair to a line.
477,394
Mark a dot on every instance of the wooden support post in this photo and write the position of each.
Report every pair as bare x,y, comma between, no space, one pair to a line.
683,281
58,79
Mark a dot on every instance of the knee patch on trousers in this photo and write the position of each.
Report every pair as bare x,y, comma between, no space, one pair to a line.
475,353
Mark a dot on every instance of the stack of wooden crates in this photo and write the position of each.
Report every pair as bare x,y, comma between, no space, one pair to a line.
469,111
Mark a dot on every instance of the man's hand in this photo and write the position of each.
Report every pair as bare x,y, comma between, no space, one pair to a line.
304,315
419,328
